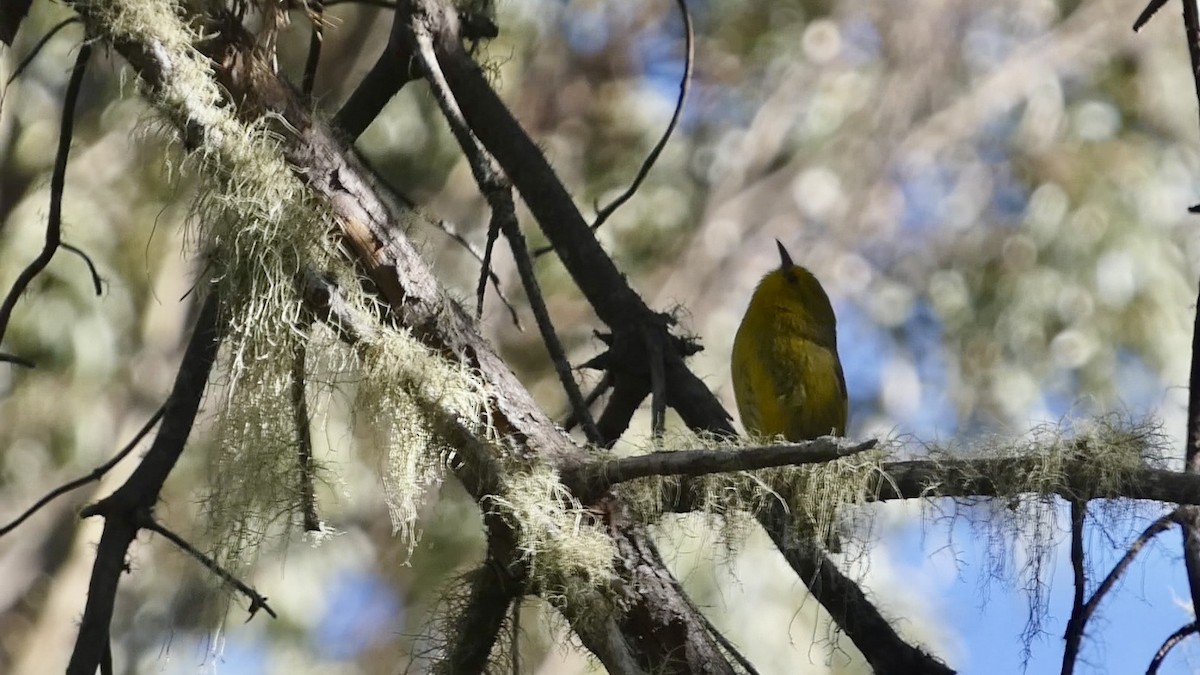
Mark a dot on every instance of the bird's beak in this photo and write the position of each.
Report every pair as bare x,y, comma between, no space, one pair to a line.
783,256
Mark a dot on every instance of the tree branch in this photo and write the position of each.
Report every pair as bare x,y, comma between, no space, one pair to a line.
1169,644
593,479
492,592
498,192
1162,524
1189,517
855,614
257,600
1074,633
996,477
58,178
124,510
95,475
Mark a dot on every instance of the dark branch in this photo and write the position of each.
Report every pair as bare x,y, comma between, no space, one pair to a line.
57,183
124,510
1169,644
17,360
1074,632
302,421
855,614
95,475
601,387
257,601
485,269
497,191
480,621
1148,13
87,260
595,478
685,81
316,12
37,49
1162,524
1189,517
392,70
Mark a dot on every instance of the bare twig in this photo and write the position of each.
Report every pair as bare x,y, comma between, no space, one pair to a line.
35,50
1162,524
685,80
316,11
57,183
498,192
95,475
302,421
658,381
602,386
96,280
1148,13
485,268
558,355
516,636
257,600
595,478
1169,644
16,360
1074,632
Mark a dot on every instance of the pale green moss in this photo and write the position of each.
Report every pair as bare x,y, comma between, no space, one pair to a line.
568,551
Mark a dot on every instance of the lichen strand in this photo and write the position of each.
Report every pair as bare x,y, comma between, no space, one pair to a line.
1090,459
1101,452
257,232
409,396
1112,448
254,483
568,552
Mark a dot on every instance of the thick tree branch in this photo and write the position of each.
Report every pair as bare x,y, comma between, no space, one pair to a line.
492,592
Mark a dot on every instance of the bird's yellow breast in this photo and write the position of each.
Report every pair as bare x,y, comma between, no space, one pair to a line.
787,378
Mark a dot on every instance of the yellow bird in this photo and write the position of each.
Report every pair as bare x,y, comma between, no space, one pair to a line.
787,378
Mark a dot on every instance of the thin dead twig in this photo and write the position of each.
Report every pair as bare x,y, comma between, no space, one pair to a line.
95,475
257,600
57,183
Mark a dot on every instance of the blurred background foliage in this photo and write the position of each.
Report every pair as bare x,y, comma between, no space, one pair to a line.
994,196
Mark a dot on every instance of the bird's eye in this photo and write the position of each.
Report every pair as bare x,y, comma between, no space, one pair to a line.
791,277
